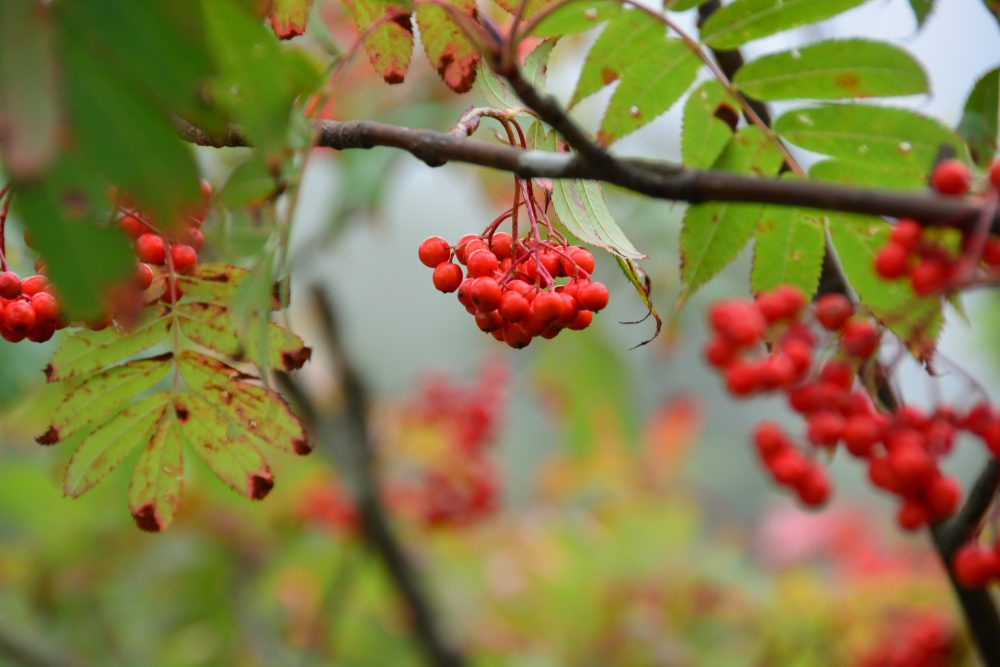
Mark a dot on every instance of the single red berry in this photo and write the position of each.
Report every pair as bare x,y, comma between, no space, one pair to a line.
974,565
582,261
943,497
45,306
501,244
782,302
132,226
32,285
193,237
551,262
770,441
776,371
447,276
183,257
833,311
171,294
825,428
742,379
861,433
468,244
482,263
911,515
548,306
912,466
143,276
813,487
799,353
516,337
994,175
991,251
10,285
592,296
740,322
151,248
789,467
929,276
42,331
569,310
433,251
19,317
859,338
906,233
950,177
719,352
838,373
513,306
488,322
485,294
892,261
880,473
581,321
806,399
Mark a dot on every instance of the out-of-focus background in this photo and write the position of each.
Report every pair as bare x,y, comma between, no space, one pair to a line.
631,524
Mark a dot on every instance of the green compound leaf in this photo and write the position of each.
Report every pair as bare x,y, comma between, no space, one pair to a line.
576,17
863,174
89,400
451,53
261,413
226,414
921,10
833,70
746,20
713,234
628,35
897,140
158,479
289,17
212,327
704,133
227,452
789,246
915,321
84,352
580,206
101,450
980,118
388,35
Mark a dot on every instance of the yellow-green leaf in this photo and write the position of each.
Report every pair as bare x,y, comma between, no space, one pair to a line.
158,479
449,50
87,351
388,35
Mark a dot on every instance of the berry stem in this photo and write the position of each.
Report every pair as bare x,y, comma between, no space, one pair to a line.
4,192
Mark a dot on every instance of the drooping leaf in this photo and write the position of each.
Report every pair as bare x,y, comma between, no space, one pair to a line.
580,206
226,450
387,33
575,17
88,401
260,412
29,99
833,69
980,118
921,10
746,20
258,81
899,140
856,240
61,211
713,234
101,450
451,53
643,287
85,351
158,479
289,17
789,246
704,133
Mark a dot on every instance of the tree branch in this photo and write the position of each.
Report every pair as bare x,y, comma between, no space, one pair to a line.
660,180
358,450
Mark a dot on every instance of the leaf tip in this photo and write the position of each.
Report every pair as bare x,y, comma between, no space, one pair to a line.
259,484
301,446
50,437
147,519
295,359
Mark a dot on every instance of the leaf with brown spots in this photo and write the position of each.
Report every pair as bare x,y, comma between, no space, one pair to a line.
101,450
387,34
449,50
158,479
288,17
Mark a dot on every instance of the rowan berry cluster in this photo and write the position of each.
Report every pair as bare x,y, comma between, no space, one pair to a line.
28,308
902,448
517,289
934,260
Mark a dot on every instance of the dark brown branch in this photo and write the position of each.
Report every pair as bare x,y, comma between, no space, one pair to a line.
357,451
660,180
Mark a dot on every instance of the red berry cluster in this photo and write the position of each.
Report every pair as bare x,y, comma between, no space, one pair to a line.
517,290
976,566
902,448
923,641
924,257
28,308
